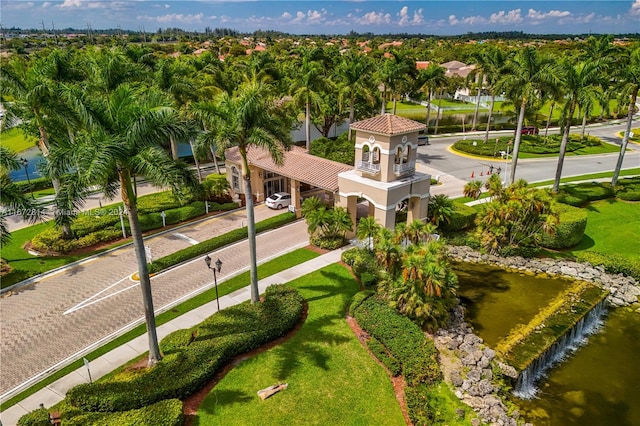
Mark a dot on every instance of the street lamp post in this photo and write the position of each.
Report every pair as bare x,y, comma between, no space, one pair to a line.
218,266
25,163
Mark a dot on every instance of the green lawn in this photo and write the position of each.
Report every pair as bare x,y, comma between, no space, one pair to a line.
332,378
15,140
613,227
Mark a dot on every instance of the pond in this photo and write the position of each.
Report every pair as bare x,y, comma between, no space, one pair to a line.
598,384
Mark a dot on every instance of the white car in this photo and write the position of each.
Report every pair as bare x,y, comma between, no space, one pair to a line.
278,200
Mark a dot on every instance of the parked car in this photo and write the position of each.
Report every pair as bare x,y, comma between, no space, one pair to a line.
278,200
423,140
529,130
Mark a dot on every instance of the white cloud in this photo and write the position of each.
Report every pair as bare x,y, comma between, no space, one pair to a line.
84,4
46,4
469,20
299,17
286,15
312,17
406,18
372,18
537,15
511,17
173,18
635,8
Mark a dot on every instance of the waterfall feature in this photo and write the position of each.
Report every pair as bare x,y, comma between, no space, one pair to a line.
575,337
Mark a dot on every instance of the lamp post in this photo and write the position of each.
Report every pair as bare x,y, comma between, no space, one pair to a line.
218,266
25,163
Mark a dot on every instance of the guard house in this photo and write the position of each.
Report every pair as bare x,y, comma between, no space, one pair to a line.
385,170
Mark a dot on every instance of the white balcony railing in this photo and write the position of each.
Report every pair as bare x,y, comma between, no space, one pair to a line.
401,169
367,167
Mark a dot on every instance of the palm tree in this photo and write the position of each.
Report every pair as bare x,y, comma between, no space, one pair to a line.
473,189
440,209
367,230
245,119
526,75
629,74
173,77
131,125
430,80
353,74
40,91
306,86
395,73
579,81
491,63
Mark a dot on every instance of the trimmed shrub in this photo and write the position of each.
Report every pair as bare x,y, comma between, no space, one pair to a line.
405,340
166,413
418,407
191,364
216,188
39,417
36,184
629,195
358,298
328,243
380,352
612,264
217,242
462,217
569,230
580,193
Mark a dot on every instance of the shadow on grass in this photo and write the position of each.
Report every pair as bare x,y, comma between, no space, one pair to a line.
218,398
585,243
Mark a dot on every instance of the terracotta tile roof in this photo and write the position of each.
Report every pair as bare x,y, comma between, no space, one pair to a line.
388,124
298,165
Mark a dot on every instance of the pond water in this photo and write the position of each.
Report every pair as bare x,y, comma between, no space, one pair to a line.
496,301
596,385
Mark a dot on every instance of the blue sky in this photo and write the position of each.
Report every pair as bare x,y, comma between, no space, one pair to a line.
440,17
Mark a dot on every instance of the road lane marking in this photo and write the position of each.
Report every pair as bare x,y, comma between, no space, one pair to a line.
184,237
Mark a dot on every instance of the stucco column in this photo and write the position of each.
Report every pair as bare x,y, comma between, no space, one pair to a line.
386,218
352,209
417,209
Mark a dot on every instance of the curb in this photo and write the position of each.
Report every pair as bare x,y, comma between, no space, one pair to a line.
36,278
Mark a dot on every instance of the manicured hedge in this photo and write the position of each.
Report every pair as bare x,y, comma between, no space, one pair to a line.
189,363
363,264
569,230
217,242
581,193
405,340
36,184
612,264
380,352
628,189
358,298
166,413
462,217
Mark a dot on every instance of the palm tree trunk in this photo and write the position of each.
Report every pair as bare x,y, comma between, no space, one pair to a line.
435,131
352,109
174,147
195,158
584,123
475,113
625,138
563,150
307,125
546,128
394,103
384,99
516,144
251,235
486,133
129,200
215,159
428,112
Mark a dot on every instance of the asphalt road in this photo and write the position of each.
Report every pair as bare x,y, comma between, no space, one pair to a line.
436,155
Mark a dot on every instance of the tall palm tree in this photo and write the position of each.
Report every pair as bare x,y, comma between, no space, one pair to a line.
431,79
527,74
131,125
247,118
39,90
579,82
629,75
307,84
353,74
368,230
491,62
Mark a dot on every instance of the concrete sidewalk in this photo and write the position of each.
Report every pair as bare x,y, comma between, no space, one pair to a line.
56,391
